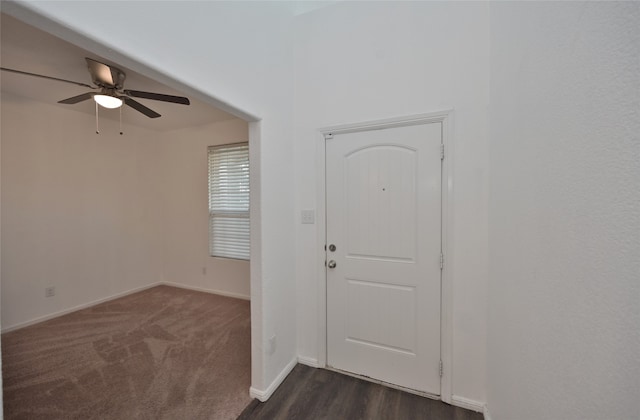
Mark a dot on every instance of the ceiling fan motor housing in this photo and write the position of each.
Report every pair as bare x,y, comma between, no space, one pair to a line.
105,76
109,92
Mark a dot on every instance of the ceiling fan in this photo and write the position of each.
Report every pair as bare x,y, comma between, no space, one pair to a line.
109,84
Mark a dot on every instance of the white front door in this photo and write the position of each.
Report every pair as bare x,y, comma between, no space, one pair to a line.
384,219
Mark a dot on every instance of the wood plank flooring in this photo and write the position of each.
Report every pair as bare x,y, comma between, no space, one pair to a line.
310,393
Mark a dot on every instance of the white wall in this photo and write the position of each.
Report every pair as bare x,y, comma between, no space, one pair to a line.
362,61
185,210
1,387
79,210
240,53
564,295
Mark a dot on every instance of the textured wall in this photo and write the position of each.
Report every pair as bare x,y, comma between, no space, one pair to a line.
564,295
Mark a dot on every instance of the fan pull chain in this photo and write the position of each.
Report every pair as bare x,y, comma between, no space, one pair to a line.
97,128
120,120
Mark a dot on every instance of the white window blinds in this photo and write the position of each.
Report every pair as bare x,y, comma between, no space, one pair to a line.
229,201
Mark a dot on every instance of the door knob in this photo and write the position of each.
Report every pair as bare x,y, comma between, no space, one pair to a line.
332,264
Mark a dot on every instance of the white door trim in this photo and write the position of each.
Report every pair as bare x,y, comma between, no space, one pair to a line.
446,335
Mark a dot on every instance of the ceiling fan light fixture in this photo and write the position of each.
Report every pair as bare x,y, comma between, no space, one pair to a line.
107,101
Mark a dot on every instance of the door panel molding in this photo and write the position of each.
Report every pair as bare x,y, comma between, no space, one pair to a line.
445,117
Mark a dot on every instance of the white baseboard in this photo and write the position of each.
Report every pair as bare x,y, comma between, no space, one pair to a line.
487,416
116,296
77,308
309,361
202,289
266,394
467,403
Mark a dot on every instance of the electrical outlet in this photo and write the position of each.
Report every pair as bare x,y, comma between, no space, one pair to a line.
49,291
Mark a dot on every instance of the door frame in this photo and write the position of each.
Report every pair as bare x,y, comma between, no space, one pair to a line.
445,117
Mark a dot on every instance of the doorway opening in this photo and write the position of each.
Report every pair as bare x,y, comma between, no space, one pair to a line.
254,135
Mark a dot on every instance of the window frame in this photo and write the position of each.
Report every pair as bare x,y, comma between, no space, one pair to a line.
231,221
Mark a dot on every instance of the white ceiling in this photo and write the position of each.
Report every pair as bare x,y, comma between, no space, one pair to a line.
23,47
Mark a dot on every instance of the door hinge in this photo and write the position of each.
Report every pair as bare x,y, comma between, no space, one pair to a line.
442,152
441,261
441,369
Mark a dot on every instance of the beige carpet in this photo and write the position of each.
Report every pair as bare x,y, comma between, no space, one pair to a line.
163,353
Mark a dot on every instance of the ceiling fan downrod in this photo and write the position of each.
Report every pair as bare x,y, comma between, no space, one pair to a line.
97,128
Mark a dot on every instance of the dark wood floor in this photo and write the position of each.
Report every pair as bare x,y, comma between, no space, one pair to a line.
310,393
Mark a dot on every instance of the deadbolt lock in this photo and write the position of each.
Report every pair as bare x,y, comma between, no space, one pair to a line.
332,248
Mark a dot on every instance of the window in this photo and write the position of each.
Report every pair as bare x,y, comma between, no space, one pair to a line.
229,201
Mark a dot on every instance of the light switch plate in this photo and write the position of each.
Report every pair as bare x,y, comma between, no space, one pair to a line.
308,217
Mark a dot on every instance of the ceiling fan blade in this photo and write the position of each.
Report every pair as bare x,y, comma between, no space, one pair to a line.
158,97
139,107
76,99
26,73
105,75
